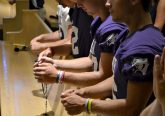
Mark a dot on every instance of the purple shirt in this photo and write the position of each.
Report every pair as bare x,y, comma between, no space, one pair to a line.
103,34
134,57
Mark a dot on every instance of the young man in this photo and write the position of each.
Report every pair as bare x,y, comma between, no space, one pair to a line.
80,35
103,31
44,41
131,85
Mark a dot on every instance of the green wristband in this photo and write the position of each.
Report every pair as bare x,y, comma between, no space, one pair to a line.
90,105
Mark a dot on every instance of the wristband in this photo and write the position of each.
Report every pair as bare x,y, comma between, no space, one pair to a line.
62,77
58,76
90,105
86,105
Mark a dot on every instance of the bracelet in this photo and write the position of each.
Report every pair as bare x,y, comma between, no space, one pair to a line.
60,76
90,105
61,79
86,105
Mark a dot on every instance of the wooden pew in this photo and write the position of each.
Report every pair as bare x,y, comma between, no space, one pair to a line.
51,9
32,26
17,83
15,24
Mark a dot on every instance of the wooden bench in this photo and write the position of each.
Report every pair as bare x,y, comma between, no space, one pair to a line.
17,83
14,24
32,26
51,9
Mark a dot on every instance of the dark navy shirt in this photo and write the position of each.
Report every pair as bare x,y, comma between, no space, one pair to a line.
81,39
134,57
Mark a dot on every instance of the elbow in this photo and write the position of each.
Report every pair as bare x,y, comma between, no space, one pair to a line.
132,110
104,75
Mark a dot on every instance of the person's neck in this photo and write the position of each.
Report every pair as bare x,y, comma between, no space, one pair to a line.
103,13
140,20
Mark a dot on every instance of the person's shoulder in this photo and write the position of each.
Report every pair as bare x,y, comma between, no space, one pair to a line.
109,26
147,40
149,33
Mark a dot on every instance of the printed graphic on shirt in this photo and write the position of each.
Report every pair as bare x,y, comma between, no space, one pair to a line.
140,65
75,49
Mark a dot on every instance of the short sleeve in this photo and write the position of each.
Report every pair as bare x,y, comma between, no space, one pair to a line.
138,68
68,20
106,43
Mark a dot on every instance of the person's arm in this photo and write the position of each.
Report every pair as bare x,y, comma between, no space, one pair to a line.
154,109
100,90
61,41
91,78
73,65
80,79
160,17
39,43
137,96
50,40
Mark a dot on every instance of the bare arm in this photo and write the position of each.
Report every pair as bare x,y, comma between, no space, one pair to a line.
160,17
44,41
154,109
138,94
137,97
78,79
75,65
100,90
90,78
54,43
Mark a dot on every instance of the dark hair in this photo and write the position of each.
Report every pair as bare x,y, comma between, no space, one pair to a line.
146,4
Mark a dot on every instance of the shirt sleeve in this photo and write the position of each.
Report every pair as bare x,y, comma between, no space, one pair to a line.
138,68
106,43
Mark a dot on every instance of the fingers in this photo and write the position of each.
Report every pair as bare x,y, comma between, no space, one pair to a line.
38,69
39,74
157,66
67,93
41,55
162,59
47,59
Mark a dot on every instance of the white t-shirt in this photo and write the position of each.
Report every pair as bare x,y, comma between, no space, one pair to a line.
63,20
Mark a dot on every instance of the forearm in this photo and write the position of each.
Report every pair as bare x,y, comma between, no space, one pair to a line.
100,90
154,109
75,65
62,50
50,37
163,109
110,107
160,17
53,44
83,79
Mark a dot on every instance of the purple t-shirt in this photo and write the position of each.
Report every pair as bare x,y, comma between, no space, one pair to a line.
103,34
134,57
